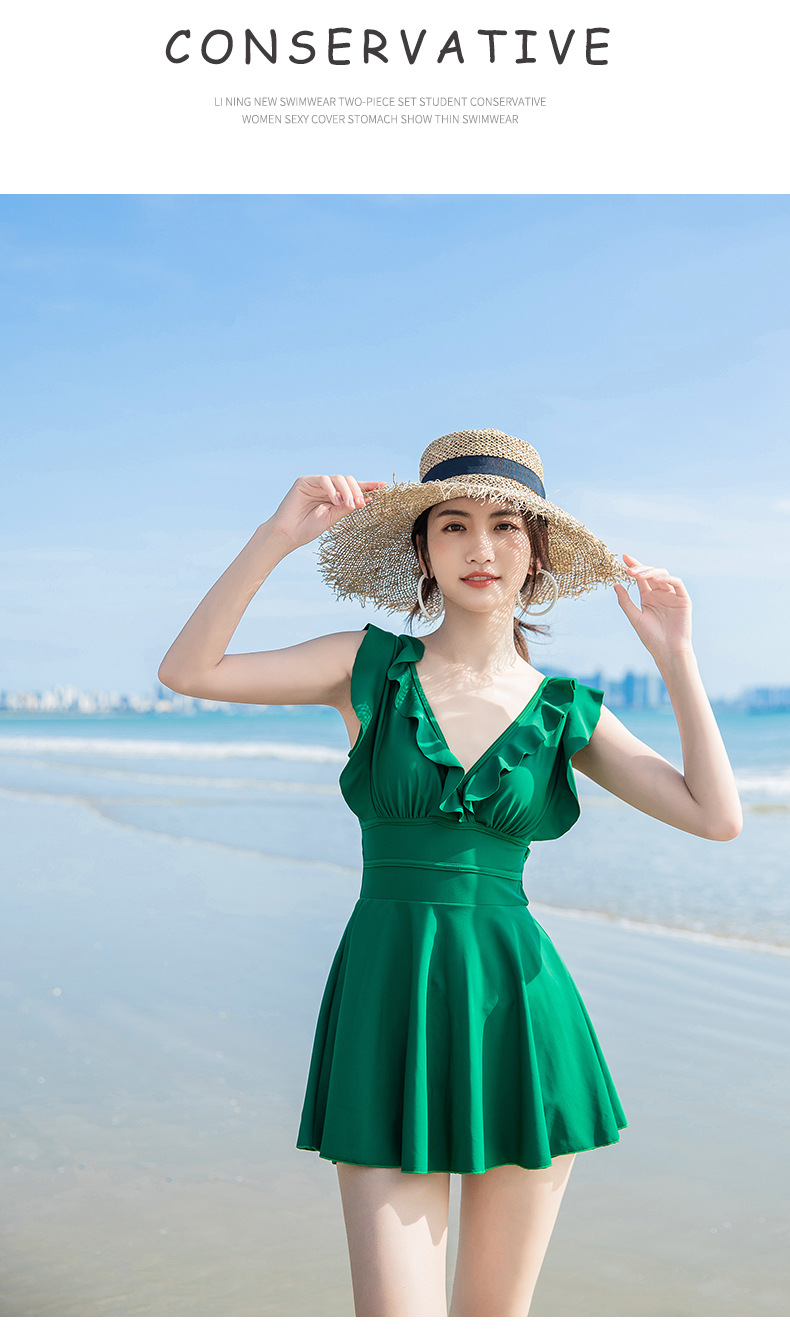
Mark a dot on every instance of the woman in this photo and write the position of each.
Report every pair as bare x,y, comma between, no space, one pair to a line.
451,1038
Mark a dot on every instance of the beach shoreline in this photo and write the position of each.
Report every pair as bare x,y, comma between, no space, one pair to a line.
161,996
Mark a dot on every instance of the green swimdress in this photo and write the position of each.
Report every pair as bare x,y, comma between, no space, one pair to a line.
450,1035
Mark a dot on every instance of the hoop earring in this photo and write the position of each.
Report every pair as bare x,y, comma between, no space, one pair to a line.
429,615
546,573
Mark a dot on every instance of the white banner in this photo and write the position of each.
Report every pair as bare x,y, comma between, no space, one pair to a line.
550,97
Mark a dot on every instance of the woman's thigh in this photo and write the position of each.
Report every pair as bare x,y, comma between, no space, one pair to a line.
507,1217
396,1225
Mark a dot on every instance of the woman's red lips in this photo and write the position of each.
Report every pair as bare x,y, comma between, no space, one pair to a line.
479,578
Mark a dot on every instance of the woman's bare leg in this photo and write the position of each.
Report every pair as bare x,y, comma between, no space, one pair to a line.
507,1217
396,1225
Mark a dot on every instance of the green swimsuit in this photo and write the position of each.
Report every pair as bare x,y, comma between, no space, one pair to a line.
451,1036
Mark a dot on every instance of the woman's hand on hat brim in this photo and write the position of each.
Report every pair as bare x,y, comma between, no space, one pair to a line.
663,622
317,501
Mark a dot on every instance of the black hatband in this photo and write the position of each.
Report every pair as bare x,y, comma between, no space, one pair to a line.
483,463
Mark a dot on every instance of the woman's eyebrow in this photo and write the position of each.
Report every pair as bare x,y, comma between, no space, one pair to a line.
464,513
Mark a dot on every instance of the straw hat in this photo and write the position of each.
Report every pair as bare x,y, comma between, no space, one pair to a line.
368,555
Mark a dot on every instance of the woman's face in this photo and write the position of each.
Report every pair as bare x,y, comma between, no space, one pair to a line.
478,537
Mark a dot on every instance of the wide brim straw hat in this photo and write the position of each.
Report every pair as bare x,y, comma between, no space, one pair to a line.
368,554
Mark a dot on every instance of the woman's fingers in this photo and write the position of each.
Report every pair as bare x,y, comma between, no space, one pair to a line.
325,482
350,492
650,571
328,486
656,577
638,567
343,490
345,495
659,576
359,487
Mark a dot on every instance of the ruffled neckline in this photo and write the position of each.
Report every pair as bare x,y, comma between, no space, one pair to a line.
538,721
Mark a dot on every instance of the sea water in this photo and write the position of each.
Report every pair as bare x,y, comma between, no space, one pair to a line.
266,782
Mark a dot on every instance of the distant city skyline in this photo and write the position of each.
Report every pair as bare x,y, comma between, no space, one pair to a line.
645,692
171,364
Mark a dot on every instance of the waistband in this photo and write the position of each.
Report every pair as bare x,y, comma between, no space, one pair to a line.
423,860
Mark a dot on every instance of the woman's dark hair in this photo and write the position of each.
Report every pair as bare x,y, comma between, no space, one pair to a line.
537,529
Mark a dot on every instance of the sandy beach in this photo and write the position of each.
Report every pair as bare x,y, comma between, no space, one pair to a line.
159,999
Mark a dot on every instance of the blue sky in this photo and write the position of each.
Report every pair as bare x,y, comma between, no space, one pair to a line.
170,364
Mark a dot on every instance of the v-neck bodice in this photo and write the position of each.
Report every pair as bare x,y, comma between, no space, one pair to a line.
497,740
401,768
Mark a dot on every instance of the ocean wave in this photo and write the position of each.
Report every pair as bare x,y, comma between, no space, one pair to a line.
68,745
655,928
771,783
189,780
751,782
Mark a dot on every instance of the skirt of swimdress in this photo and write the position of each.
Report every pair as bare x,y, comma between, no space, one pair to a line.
452,1038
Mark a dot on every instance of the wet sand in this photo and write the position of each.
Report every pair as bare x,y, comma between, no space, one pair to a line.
159,1000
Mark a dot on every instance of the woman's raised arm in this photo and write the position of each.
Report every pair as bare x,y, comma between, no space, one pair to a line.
313,672
703,799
